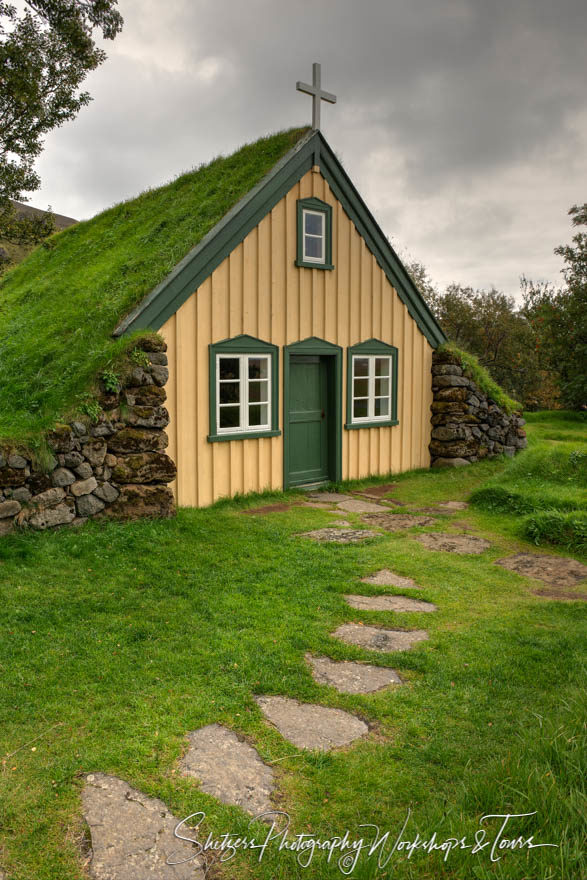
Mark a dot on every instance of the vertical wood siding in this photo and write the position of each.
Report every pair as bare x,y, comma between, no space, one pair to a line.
258,290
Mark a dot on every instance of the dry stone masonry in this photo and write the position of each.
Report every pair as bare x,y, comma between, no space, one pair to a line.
467,425
113,465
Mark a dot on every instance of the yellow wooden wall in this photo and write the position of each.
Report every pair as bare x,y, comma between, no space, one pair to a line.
258,290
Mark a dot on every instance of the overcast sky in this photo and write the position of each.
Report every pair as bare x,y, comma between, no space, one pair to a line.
463,123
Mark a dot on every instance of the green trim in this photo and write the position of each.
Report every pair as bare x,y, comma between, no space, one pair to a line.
314,345
317,205
371,347
243,344
311,150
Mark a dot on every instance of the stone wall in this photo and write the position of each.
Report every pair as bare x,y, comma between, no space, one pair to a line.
111,466
467,425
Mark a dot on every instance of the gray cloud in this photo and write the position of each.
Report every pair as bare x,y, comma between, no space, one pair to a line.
463,123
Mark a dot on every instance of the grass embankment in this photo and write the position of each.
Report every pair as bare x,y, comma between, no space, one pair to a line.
547,484
482,378
119,639
58,308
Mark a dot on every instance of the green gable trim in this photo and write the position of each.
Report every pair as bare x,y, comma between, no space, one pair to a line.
311,150
244,344
371,347
314,204
315,346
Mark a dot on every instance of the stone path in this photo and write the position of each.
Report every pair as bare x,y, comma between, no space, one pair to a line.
132,834
389,603
557,571
340,536
229,769
331,497
357,505
375,638
387,578
308,726
350,677
396,522
453,543
377,491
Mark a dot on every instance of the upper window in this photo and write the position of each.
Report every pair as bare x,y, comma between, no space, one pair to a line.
243,389
314,250
372,385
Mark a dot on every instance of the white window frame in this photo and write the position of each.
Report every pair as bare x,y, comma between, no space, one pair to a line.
244,427
371,377
306,258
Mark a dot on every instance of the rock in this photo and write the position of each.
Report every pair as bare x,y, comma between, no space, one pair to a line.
389,603
72,459
450,382
446,406
374,638
2,461
387,578
396,522
450,432
110,460
84,470
558,571
152,343
449,462
137,440
160,374
107,492
62,477
311,727
356,505
49,517
349,677
144,467
95,451
84,487
9,508
456,449
145,395
39,483
12,477
473,401
454,543
229,769
103,430
21,494
158,357
48,497
146,416
17,461
340,536
60,439
457,395
139,376
79,428
141,501
88,505
446,370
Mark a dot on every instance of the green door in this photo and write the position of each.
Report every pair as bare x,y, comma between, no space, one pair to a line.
308,420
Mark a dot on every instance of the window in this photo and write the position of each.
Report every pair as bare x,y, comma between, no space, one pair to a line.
314,249
243,389
372,385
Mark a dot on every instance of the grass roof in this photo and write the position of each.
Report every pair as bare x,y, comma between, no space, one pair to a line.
58,308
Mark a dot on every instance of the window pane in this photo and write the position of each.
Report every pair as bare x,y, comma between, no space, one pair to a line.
361,366
229,416
313,223
258,391
381,406
361,388
229,368
229,392
382,366
313,247
258,367
257,414
381,387
360,409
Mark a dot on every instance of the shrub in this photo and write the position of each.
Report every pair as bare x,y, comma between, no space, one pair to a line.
553,527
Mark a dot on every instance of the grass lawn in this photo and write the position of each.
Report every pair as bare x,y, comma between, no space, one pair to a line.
116,640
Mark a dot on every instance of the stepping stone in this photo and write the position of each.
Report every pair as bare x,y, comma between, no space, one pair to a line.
396,522
308,726
375,638
389,603
386,578
453,505
229,769
340,536
356,505
331,497
453,543
132,834
433,511
377,491
341,524
558,571
319,505
349,677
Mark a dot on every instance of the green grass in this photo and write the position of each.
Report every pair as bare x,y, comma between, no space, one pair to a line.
116,640
58,308
482,378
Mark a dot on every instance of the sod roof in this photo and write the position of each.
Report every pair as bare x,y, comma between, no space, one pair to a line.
59,307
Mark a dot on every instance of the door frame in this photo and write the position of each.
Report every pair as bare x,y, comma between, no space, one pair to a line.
316,346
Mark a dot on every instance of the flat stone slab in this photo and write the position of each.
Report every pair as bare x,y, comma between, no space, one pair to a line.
308,726
319,505
396,522
386,578
558,571
389,603
375,638
132,834
331,497
340,536
357,505
349,677
229,769
453,543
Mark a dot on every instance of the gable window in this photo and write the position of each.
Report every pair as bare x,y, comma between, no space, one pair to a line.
314,249
243,389
372,385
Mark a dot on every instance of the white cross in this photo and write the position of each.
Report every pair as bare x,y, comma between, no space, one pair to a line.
317,94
